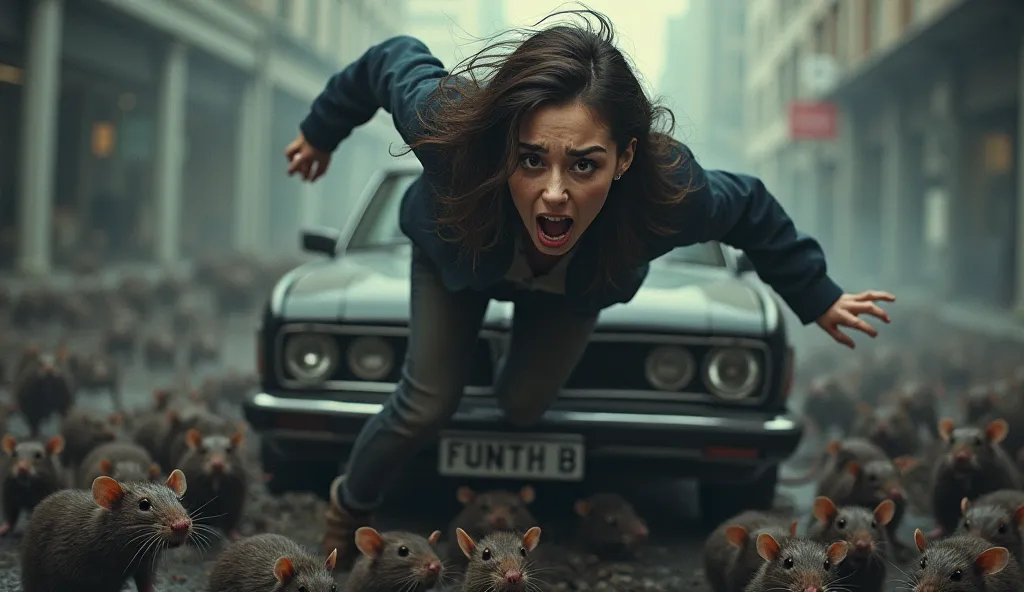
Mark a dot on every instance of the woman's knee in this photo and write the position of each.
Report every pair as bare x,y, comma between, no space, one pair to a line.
415,412
525,409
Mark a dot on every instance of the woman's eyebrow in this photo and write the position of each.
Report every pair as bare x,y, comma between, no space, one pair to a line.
577,152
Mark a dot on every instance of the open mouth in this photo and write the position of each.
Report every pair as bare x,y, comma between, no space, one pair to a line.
554,231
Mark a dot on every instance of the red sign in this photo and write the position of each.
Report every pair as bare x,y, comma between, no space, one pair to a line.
812,120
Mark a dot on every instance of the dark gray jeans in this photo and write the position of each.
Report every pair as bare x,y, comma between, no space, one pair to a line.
547,341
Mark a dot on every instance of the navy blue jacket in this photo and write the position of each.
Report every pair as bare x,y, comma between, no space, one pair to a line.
400,75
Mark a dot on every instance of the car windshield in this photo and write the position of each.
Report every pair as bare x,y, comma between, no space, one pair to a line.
378,227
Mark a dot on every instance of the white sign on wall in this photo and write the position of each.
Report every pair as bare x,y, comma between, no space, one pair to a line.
818,73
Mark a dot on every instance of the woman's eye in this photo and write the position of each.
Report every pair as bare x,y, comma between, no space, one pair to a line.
587,166
530,160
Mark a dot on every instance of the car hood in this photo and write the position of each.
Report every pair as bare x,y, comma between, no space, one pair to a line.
373,287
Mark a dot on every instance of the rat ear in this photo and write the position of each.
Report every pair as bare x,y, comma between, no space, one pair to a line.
193,438
965,504
824,510
369,542
434,537
176,481
837,551
736,535
996,431
55,445
793,526
465,495
9,443
904,463
885,511
154,471
106,492
105,466
833,447
466,543
919,540
236,439
115,419
767,546
992,560
946,426
160,396
853,468
174,419
582,508
531,539
284,570
527,494
332,560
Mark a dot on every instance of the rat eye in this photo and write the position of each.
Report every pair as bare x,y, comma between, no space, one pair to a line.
874,524
144,505
841,523
403,551
978,441
956,576
522,551
39,455
924,563
828,565
1002,529
303,589
967,523
787,563
486,555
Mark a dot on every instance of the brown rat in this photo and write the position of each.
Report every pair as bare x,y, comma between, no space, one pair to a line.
486,512
997,517
395,561
84,430
44,387
219,481
88,540
963,563
609,526
121,461
267,562
31,472
730,552
864,530
793,564
974,464
499,562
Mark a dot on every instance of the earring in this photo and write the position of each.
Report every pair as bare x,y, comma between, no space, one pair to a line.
617,177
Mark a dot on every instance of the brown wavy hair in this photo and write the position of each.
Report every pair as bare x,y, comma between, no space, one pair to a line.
474,128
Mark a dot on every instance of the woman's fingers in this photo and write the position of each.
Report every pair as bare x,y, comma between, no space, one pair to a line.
874,295
839,336
853,321
870,308
321,168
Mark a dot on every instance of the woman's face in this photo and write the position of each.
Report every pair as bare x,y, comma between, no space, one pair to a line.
567,163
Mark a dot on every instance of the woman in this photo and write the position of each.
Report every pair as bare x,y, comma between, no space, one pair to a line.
549,186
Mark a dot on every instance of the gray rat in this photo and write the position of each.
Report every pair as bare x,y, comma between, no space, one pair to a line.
964,563
865,531
830,465
730,552
891,428
84,430
395,561
266,562
974,464
97,372
868,485
609,526
122,461
159,352
89,540
219,481
31,472
793,564
486,512
44,387
500,562
829,404
997,517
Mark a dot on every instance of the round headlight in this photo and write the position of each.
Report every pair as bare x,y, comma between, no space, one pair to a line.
669,368
732,373
311,357
370,358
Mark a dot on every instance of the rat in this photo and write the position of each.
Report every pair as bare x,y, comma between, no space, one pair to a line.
161,431
918,401
500,562
891,428
483,513
829,405
89,540
203,348
395,560
964,563
979,402
159,352
609,526
869,484
31,472
794,564
974,464
122,461
864,530
730,552
219,480
43,388
84,430
97,372
830,465
123,335
997,517
266,562
199,418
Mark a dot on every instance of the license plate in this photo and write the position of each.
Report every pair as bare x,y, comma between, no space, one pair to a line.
553,457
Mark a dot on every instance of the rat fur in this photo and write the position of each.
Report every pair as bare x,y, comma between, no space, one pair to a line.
395,560
499,562
266,562
219,481
865,531
794,564
730,552
609,526
31,472
490,511
122,461
964,563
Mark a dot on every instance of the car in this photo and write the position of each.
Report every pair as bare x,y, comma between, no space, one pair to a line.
688,379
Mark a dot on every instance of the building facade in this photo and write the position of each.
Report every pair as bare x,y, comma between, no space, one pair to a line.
922,181
155,130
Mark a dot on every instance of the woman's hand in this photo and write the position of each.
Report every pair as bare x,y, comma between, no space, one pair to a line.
845,312
307,160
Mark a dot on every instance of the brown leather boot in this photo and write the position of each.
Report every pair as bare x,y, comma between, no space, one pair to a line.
341,525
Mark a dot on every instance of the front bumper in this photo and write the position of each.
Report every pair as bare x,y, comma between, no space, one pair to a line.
707,443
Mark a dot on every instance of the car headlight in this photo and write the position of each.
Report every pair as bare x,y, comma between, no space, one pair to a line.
669,367
370,358
311,357
732,373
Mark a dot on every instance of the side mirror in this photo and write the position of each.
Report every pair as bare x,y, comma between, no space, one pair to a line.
743,264
321,240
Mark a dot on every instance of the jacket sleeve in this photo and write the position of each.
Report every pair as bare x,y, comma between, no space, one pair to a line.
739,211
397,75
